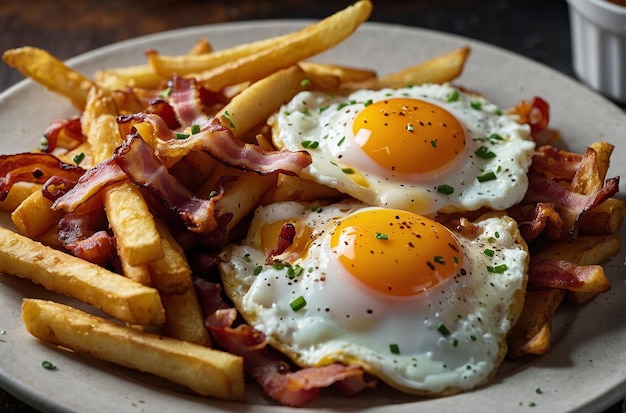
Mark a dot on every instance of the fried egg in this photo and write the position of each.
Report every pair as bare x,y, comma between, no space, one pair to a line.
425,149
424,308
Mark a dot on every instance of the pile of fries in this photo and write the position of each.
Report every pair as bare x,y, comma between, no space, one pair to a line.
153,284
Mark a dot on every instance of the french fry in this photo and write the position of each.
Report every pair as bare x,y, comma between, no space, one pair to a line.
50,72
18,193
171,273
241,196
205,371
134,228
185,320
606,218
440,69
257,102
290,50
74,277
332,77
293,188
34,217
532,333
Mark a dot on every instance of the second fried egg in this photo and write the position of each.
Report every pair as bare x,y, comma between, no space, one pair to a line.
426,149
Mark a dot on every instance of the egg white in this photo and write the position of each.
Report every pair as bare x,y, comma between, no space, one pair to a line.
327,121
346,321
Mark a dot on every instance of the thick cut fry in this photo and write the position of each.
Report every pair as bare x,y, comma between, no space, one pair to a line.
18,193
532,333
256,103
241,196
332,77
137,273
132,224
205,371
34,217
184,317
73,277
171,273
43,68
301,45
606,218
586,250
293,188
440,69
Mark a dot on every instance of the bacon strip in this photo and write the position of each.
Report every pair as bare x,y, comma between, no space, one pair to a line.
548,273
284,241
186,102
33,167
136,158
543,215
556,163
90,184
535,113
266,365
570,205
219,142
69,128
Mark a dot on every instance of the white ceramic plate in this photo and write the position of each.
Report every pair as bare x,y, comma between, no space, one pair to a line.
586,370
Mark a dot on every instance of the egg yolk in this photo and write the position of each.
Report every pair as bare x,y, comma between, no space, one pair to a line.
296,245
409,135
396,252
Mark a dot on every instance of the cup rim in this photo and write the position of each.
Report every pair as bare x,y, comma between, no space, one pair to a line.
603,13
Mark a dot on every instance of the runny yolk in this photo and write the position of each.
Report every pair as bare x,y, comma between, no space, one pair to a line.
409,135
269,237
396,252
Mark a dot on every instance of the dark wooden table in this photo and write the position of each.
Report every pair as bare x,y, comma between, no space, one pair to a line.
538,29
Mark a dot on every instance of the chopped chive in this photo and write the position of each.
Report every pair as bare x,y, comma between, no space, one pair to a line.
380,235
246,258
489,176
166,93
497,269
476,105
497,234
323,108
180,135
48,365
443,329
258,269
473,338
445,189
212,194
43,143
310,144
455,259
455,343
278,266
454,96
305,82
294,270
342,105
79,158
394,348
495,137
439,259
341,141
195,128
316,209
488,252
298,303
348,171
368,102
433,143
485,153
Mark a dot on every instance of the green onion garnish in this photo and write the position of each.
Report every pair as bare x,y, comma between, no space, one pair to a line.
443,329
195,128
498,269
445,189
485,153
488,252
79,158
48,365
380,235
489,176
298,303
394,348
180,135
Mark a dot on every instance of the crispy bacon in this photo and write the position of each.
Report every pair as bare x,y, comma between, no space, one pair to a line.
547,273
535,113
68,128
136,158
267,366
186,102
165,111
284,241
571,206
219,142
90,184
556,163
542,216
33,167
82,233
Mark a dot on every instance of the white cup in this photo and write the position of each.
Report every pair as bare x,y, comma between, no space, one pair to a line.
598,29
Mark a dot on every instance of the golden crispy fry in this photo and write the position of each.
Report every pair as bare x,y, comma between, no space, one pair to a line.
440,69
532,333
34,217
185,320
606,218
293,188
332,77
18,193
171,273
586,250
241,196
134,228
74,277
205,371
257,102
138,273
302,44
43,68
